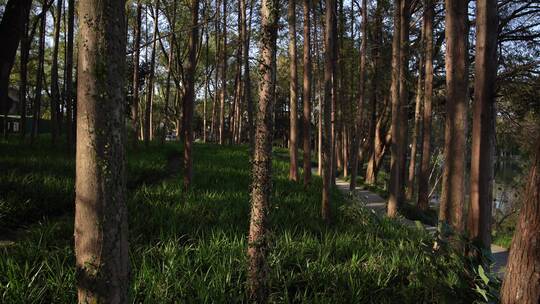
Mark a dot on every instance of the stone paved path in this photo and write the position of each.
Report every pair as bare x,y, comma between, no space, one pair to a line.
377,204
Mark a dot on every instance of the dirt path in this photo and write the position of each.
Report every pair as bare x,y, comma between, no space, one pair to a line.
377,205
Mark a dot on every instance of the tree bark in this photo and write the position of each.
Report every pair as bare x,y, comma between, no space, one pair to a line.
307,92
361,99
136,81
247,79
55,88
101,231
483,124
214,127
522,279
395,181
327,163
262,159
403,97
293,89
457,97
23,72
423,176
189,94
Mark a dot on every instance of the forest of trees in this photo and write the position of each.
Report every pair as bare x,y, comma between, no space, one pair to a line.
421,101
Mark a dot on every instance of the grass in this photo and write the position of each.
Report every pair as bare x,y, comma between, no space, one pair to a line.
190,247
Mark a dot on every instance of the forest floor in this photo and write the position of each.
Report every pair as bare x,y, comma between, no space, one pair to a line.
190,247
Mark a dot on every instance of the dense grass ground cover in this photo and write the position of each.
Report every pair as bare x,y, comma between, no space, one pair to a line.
190,247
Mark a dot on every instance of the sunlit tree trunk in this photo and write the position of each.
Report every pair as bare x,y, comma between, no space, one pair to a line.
483,124
262,158
423,176
307,92
522,278
395,182
101,229
189,94
327,164
457,97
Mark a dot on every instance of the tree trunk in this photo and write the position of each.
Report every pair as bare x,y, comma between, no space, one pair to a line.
262,159
12,29
206,79
247,79
148,113
483,128
70,105
361,99
327,164
40,71
395,181
223,92
522,279
136,78
214,131
101,229
457,97
403,97
423,176
23,72
55,88
170,65
293,89
416,130
189,94
307,79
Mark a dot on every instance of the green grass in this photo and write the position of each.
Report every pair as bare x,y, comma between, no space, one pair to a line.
190,247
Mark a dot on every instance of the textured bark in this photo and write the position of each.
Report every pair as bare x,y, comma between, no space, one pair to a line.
522,279
70,105
293,98
423,176
395,181
148,112
223,66
327,145
307,92
457,97
361,99
101,232
189,94
136,81
12,29
262,158
483,124
40,71
55,88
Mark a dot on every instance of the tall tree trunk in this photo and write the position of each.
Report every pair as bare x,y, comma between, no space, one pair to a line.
262,158
307,92
40,71
483,128
334,94
361,99
247,79
55,88
189,94
403,97
148,113
12,29
329,89
214,128
416,129
457,97
223,92
206,79
70,105
395,182
23,72
101,228
522,279
293,89
423,176
170,65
